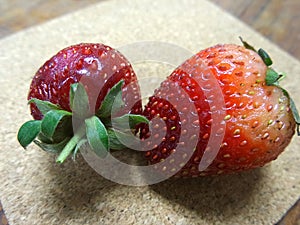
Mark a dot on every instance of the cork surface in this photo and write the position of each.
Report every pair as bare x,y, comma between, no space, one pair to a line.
34,190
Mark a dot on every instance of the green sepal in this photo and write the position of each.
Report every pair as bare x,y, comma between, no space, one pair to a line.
265,57
56,135
44,106
262,53
295,114
52,148
272,77
128,121
79,100
114,139
120,140
28,132
51,121
78,146
97,136
73,88
113,100
63,130
246,45
44,139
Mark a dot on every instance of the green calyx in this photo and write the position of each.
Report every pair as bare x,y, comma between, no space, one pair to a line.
57,133
273,78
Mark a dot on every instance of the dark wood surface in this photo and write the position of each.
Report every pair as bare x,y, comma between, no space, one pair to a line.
278,20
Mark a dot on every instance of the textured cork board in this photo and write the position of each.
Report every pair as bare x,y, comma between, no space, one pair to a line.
34,190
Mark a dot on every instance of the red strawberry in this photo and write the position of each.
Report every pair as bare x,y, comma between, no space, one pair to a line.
100,66
75,95
254,124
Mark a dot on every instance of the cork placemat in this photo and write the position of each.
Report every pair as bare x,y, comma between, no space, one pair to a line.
34,190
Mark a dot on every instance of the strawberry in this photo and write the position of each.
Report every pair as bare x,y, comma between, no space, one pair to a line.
75,95
223,112
94,62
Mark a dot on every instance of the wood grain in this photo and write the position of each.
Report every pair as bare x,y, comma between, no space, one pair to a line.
292,217
16,15
277,20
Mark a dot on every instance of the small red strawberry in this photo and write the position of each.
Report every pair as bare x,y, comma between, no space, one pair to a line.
253,118
98,65
74,96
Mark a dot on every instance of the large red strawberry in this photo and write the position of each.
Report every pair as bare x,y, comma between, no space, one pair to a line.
74,96
223,112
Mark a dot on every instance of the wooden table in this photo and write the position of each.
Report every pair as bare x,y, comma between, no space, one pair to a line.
275,19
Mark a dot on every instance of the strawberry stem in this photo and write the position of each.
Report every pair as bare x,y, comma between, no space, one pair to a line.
70,146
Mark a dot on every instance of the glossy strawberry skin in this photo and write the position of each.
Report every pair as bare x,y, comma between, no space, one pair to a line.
258,121
97,66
